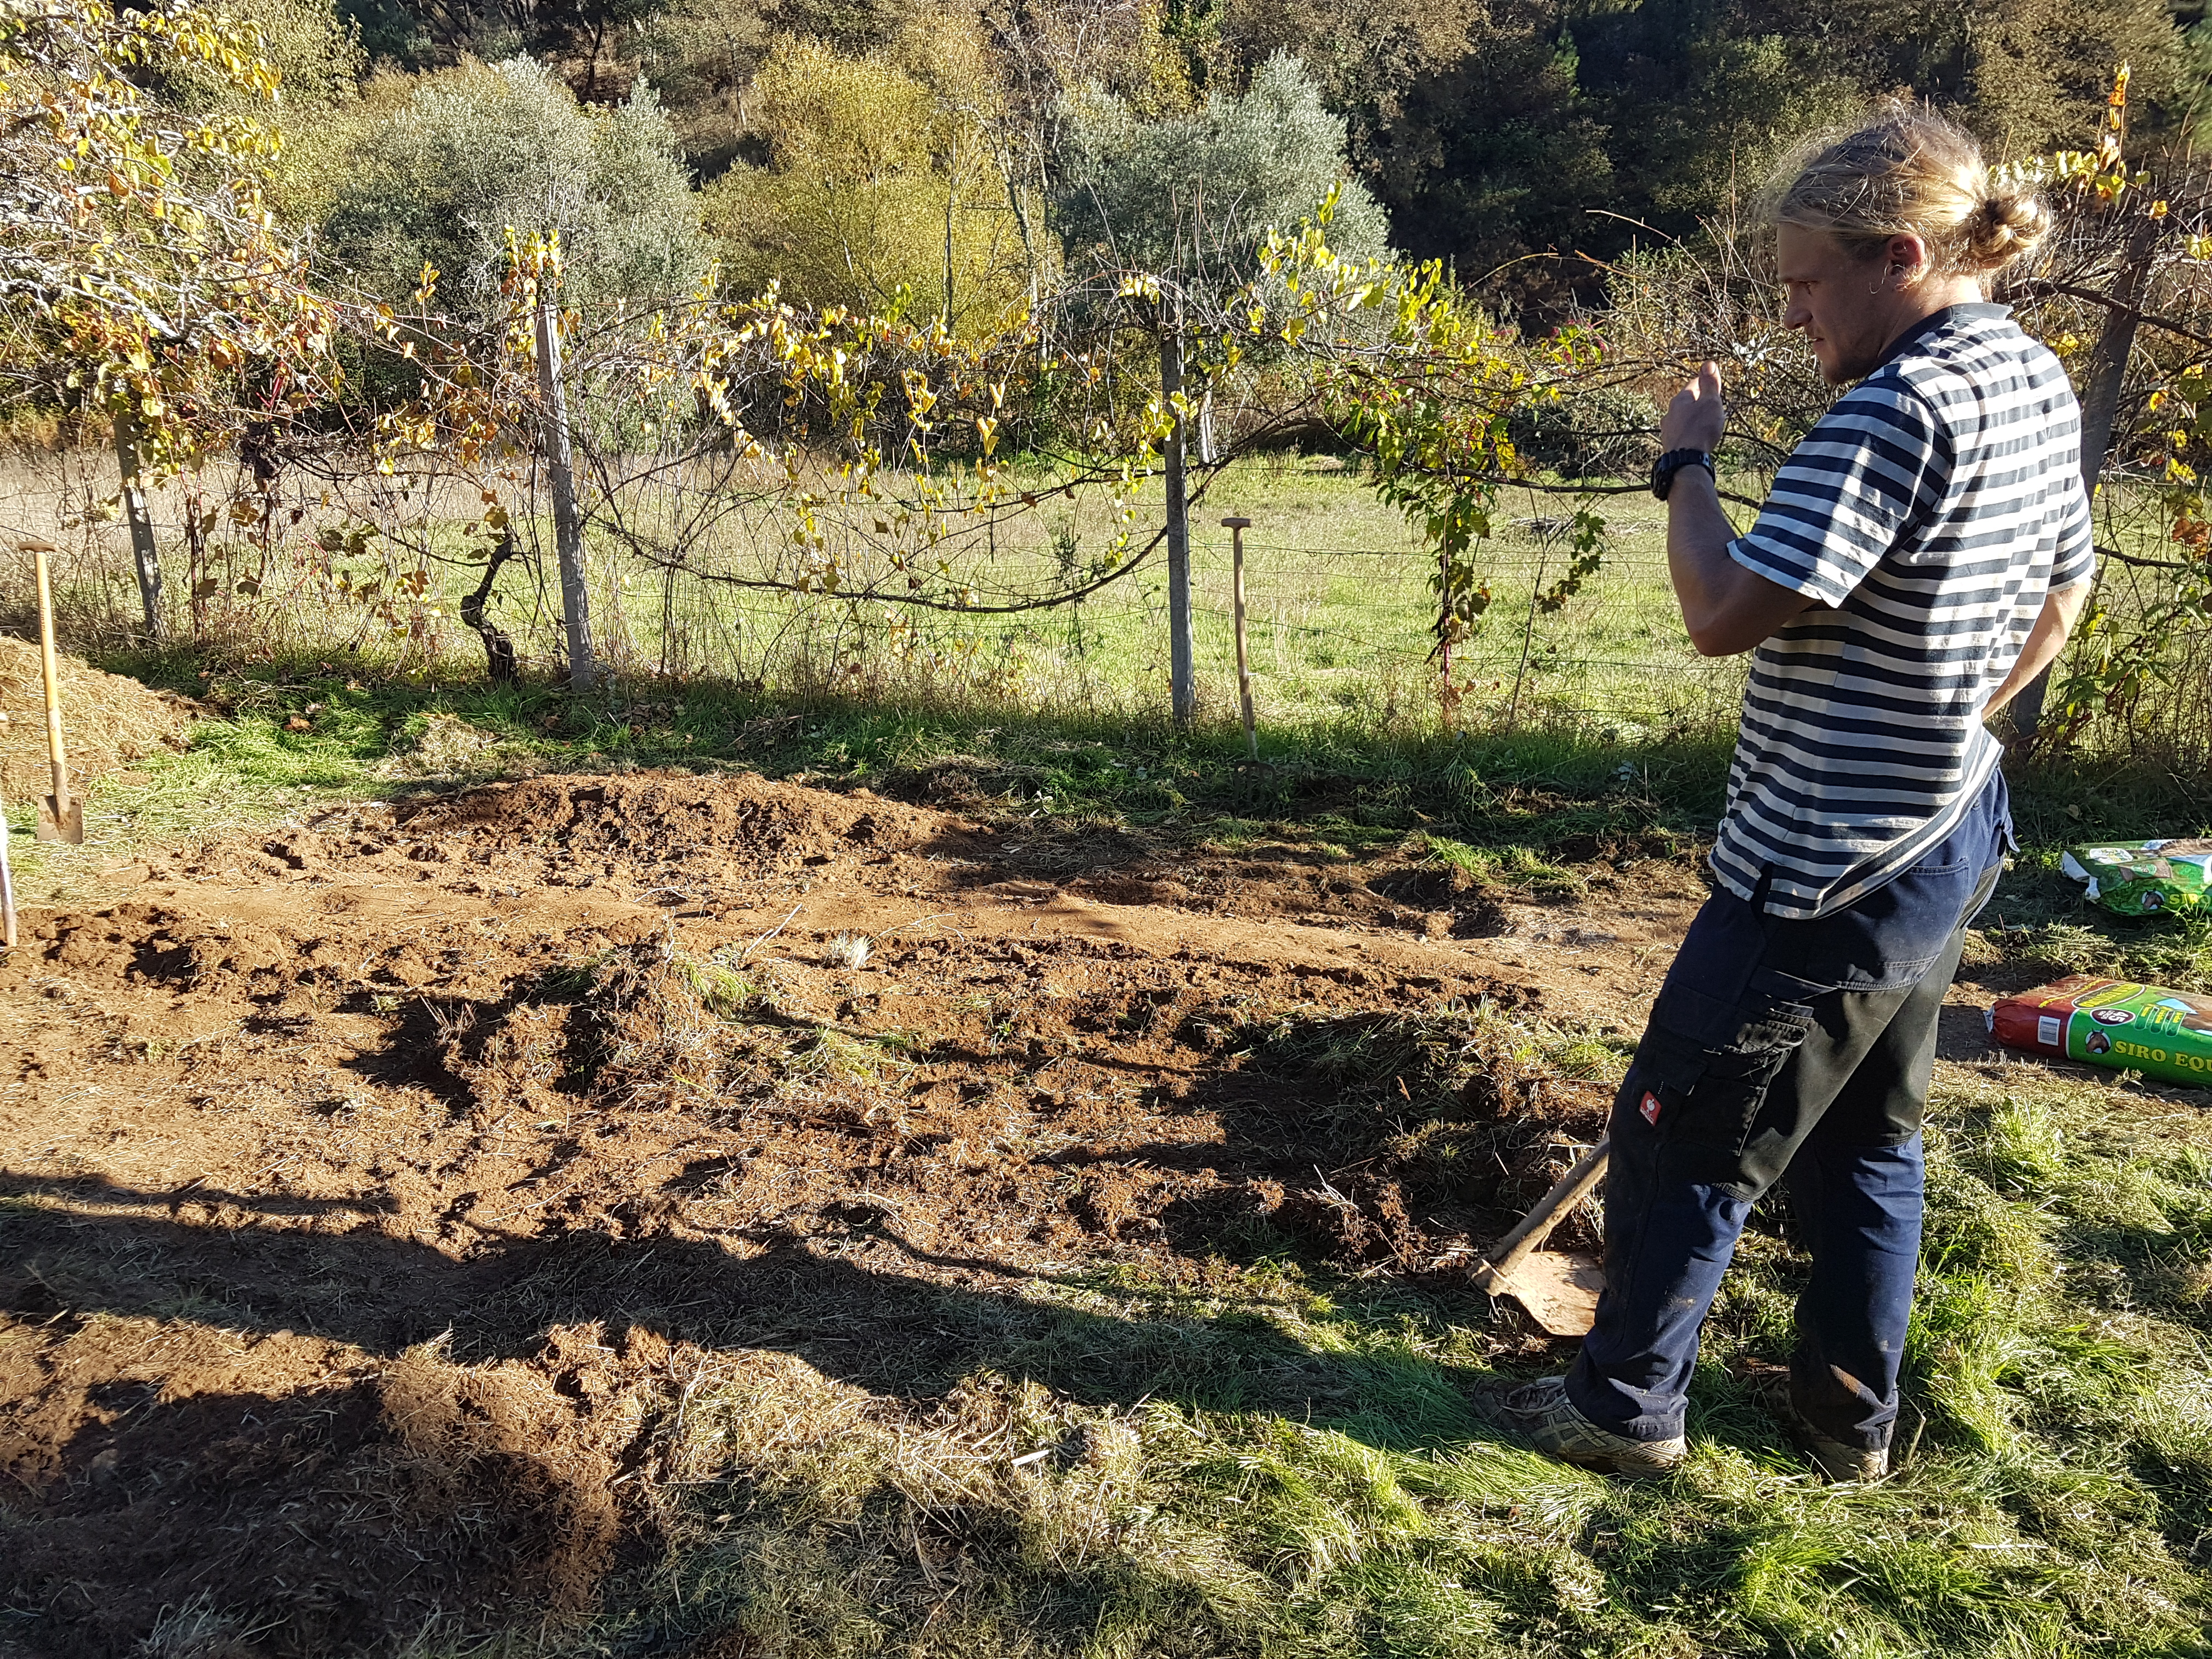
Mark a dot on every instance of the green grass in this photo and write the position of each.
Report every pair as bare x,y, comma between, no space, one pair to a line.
1341,784
1340,612
1512,867
2039,914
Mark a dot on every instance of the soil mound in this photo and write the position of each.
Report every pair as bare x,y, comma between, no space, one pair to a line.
672,818
108,720
382,1497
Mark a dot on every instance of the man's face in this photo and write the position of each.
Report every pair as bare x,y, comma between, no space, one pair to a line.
1846,305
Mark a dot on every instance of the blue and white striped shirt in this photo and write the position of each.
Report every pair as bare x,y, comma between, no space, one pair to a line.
1925,516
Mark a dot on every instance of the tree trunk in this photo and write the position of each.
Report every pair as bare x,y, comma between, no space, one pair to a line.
2100,410
143,554
498,650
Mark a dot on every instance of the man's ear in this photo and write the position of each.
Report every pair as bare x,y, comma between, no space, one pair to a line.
1906,258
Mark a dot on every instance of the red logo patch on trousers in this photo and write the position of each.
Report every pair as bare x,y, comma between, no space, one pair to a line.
1650,1107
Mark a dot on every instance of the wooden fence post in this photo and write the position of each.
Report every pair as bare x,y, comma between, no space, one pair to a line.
568,523
144,555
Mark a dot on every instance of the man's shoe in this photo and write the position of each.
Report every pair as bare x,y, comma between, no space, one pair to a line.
1550,1419
1837,1460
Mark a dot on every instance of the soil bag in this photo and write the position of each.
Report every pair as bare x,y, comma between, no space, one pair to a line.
2142,877
2112,1022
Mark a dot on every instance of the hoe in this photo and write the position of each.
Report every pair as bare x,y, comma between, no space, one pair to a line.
1559,1289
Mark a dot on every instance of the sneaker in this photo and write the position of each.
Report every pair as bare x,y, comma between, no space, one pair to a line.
1550,1419
1837,1460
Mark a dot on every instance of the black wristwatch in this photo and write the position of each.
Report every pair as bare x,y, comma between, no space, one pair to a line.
1664,469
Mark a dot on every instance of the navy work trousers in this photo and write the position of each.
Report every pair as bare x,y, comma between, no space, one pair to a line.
1774,1045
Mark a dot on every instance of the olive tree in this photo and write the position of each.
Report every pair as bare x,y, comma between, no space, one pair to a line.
1191,197
476,152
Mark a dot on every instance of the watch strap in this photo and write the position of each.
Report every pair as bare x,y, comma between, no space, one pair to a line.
1663,470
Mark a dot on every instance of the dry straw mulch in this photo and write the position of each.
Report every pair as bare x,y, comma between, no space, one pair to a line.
109,721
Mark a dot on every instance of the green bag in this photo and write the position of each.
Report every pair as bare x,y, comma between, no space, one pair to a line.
2142,877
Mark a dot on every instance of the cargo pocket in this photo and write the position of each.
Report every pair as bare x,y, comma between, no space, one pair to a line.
1720,1059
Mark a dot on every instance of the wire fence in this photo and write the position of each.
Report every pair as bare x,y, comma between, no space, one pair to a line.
1339,615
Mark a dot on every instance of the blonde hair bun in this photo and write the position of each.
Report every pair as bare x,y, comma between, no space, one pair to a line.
2009,226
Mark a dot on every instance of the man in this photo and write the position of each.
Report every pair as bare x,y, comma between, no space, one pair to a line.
1922,557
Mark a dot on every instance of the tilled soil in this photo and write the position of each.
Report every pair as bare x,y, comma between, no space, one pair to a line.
367,1186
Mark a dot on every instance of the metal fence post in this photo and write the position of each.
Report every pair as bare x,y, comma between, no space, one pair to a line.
1183,682
568,523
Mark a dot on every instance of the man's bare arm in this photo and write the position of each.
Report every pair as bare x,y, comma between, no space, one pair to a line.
1726,607
2062,608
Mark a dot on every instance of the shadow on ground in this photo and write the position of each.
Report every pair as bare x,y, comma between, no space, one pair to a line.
342,1503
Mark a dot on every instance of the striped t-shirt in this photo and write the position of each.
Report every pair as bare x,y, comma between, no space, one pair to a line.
1926,516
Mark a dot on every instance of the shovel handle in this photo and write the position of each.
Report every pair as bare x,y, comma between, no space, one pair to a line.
1536,1226
51,674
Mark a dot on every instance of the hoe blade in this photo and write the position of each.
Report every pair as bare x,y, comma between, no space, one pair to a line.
61,825
1559,1290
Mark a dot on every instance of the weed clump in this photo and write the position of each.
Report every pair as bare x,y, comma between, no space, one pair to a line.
1518,869
665,1026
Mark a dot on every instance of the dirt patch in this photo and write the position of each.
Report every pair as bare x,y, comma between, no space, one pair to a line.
108,721
177,1465
367,1181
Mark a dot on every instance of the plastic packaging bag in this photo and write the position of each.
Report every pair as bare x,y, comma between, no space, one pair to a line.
2112,1022
2142,877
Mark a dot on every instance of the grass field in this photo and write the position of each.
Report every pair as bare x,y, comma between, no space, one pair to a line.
1339,611
1339,624
1340,614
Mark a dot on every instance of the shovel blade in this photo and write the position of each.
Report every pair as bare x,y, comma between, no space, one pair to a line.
55,824
1559,1290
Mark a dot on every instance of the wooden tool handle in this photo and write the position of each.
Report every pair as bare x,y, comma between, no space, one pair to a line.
47,667
1552,1209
